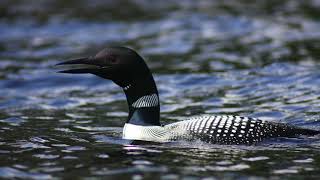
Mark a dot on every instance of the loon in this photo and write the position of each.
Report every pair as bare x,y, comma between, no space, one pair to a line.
126,68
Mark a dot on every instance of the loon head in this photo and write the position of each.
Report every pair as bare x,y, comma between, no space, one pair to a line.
119,64
127,69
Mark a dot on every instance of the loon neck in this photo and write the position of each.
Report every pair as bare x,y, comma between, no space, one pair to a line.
143,101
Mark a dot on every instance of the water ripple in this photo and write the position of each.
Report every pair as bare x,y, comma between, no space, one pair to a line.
208,57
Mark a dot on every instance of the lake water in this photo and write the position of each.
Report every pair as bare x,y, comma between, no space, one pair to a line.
257,59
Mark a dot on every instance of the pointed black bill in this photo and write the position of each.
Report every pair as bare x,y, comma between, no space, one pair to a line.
88,65
75,61
77,71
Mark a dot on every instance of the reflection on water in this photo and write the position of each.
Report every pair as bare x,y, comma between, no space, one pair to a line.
257,59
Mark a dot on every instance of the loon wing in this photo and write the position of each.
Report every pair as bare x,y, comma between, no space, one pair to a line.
232,130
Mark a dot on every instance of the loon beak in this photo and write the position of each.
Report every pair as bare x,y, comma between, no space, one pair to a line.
88,65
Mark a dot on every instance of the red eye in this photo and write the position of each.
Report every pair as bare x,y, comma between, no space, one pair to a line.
112,59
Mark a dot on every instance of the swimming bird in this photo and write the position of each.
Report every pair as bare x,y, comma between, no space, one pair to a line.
126,68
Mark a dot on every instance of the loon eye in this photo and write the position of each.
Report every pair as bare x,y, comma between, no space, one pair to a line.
112,59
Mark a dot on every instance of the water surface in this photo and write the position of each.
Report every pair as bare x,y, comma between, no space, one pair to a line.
257,59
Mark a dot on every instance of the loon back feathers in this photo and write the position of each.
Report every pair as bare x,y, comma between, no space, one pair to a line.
215,130
128,70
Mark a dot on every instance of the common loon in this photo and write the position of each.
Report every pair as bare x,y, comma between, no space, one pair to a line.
127,69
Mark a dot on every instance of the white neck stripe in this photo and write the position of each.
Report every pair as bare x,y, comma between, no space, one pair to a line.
146,101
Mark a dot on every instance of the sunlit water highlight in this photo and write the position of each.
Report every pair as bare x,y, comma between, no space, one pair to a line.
207,58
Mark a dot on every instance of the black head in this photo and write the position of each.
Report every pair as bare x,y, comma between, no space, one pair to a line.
119,64
127,69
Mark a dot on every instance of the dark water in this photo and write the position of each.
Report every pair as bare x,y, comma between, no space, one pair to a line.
258,59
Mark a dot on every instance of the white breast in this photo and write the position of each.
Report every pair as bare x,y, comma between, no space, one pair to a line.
153,133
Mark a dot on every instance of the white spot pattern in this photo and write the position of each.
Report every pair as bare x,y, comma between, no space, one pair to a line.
127,87
211,129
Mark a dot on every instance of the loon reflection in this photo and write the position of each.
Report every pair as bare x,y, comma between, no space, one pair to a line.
126,68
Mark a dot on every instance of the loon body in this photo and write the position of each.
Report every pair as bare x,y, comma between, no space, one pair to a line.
128,70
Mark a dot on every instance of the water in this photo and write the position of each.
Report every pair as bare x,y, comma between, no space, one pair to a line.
258,59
